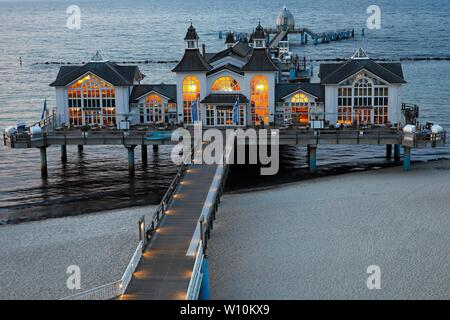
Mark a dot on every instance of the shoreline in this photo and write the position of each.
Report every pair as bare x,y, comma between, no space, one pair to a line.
323,172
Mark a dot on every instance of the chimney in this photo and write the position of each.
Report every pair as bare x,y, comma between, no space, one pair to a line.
203,49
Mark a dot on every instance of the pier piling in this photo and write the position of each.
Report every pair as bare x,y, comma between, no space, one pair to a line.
312,158
407,159
43,152
80,148
389,151
155,148
64,153
144,154
397,152
131,168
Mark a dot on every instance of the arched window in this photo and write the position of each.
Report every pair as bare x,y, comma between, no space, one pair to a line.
300,108
153,106
259,91
191,92
225,84
363,93
94,100
299,98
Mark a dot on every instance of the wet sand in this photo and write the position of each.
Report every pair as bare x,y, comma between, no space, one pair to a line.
34,256
315,239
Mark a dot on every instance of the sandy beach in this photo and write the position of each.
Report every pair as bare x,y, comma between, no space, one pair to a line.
306,240
315,239
34,256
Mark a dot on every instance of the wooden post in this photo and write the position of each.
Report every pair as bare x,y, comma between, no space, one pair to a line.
43,152
131,165
80,148
64,153
155,148
388,151
144,154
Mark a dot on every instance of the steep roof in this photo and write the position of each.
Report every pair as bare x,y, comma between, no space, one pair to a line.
259,33
167,90
107,70
229,67
192,61
283,90
230,38
333,73
191,33
259,61
240,51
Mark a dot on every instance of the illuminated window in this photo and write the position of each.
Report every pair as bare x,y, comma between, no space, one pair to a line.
299,98
191,92
91,93
381,102
225,84
75,117
153,108
345,106
362,93
300,107
259,90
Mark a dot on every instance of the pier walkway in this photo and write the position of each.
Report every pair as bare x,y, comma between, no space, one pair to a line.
166,267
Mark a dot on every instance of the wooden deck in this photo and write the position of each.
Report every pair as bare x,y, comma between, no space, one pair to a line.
165,270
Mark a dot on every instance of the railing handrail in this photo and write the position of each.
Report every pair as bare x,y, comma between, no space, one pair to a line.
194,282
114,289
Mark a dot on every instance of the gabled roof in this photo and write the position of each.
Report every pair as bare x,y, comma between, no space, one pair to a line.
107,70
259,33
225,98
240,51
192,61
282,90
259,61
167,90
228,67
334,73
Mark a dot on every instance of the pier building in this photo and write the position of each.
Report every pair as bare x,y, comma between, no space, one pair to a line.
359,91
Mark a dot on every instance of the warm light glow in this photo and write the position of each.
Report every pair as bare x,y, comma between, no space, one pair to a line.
225,84
299,98
191,92
259,87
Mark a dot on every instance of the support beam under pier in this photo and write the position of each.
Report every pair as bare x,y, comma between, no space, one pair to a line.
397,152
80,148
43,152
389,151
155,148
312,158
144,154
64,153
131,164
406,159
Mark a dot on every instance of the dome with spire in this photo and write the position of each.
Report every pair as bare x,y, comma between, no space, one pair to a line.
191,33
230,38
259,33
285,20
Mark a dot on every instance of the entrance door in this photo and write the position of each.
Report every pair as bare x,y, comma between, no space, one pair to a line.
363,116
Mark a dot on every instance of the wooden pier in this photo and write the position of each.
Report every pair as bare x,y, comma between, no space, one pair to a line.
287,136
